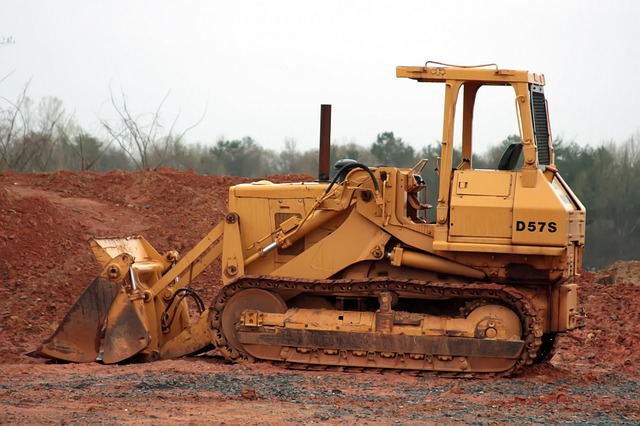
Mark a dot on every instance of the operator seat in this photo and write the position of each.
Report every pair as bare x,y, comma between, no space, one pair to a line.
509,159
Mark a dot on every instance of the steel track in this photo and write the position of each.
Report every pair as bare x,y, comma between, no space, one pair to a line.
487,292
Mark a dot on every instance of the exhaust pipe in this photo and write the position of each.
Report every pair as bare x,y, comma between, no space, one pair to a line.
325,143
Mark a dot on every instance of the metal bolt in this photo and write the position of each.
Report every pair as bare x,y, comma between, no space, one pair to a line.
114,271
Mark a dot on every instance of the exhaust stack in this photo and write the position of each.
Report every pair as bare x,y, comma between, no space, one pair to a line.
325,143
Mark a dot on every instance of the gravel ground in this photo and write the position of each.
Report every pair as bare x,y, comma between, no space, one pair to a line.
204,390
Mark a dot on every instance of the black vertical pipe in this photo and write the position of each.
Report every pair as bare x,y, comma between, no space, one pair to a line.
325,142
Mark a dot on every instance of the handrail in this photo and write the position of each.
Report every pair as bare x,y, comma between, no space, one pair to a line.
426,65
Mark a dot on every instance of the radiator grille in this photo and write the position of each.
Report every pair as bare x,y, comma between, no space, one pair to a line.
540,126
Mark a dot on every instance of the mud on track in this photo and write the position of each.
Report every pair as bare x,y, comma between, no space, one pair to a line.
45,264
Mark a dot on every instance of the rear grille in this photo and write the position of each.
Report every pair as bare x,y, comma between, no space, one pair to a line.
540,126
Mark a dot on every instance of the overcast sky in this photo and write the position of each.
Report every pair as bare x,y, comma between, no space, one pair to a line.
262,68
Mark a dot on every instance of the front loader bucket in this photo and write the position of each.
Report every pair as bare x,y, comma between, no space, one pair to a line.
106,323
125,333
77,338
131,307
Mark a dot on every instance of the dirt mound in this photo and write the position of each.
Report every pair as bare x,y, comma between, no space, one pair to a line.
626,272
610,338
45,263
46,219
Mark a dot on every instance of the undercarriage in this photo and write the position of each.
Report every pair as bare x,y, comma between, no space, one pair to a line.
478,328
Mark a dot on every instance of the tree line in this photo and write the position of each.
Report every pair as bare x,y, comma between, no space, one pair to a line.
41,137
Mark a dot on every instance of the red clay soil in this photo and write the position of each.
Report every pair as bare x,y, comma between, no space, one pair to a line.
45,263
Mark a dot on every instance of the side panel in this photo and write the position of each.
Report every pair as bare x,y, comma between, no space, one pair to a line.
261,207
481,206
540,217
254,220
496,206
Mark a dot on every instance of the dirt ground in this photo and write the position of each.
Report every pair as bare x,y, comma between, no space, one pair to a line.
593,376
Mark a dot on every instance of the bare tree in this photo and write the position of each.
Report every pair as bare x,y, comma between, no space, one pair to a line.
30,135
12,123
142,136
50,122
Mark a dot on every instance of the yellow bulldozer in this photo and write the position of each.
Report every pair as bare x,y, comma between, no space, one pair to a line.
350,272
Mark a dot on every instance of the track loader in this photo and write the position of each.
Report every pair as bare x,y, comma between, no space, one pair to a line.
351,272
